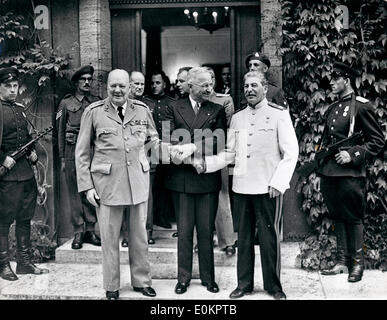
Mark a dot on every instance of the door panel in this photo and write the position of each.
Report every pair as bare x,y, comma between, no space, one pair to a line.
126,39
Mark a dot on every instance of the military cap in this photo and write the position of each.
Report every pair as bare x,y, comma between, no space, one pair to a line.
82,70
343,70
257,56
8,74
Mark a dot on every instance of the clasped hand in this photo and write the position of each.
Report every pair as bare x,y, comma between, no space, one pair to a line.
181,152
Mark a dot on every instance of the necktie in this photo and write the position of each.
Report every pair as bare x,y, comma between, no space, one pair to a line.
120,114
196,108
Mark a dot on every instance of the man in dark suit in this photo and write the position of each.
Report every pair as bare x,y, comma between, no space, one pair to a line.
195,197
343,177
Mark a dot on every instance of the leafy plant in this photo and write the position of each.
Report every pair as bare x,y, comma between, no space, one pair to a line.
313,38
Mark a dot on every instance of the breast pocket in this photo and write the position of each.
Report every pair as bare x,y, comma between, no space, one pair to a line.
138,133
266,138
107,138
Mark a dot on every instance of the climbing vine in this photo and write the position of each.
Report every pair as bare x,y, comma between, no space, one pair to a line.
313,38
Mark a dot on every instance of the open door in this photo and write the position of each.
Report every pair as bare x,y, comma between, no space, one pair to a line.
245,39
126,39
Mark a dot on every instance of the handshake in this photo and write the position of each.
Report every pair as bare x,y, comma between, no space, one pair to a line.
181,153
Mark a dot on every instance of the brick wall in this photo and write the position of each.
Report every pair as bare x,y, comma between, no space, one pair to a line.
95,39
270,34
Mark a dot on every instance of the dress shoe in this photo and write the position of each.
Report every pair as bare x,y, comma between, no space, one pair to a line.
230,250
92,238
112,295
146,291
181,287
175,235
212,286
150,238
124,243
278,295
337,269
78,241
239,293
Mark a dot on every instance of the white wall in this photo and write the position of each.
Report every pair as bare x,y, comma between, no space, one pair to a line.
186,46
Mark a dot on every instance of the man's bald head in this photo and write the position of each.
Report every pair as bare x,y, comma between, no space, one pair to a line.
118,86
137,84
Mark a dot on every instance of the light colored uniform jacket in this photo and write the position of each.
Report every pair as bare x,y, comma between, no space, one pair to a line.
264,147
110,154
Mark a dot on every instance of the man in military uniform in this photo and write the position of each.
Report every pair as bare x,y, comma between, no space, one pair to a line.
262,143
18,189
225,76
113,171
261,63
343,183
163,208
71,108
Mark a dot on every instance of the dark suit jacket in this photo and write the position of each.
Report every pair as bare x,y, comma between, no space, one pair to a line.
211,117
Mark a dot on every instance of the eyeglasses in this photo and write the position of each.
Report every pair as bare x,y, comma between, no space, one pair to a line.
205,86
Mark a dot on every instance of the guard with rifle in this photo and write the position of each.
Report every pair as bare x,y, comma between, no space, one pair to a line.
343,173
83,215
18,188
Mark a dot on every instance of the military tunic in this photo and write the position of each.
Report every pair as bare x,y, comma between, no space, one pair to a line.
71,108
18,190
343,186
262,143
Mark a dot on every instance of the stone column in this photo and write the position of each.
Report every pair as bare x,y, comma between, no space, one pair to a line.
95,39
271,36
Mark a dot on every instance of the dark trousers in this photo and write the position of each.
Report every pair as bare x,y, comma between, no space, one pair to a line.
163,207
195,210
17,202
83,214
345,198
267,211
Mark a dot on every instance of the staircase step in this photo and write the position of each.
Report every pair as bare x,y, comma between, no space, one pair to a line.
163,255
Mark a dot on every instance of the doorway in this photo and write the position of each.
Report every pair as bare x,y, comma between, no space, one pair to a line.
147,38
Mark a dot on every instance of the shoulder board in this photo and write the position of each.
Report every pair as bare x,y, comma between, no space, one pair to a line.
68,95
362,100
139,103
172,98
96,104
222,95
274,105
19,105
243,108
273,84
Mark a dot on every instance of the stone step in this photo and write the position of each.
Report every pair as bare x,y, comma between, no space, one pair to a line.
163,255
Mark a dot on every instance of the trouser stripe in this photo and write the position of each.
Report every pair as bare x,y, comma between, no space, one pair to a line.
277,228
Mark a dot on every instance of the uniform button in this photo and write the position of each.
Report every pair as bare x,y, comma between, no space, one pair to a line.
250,134
251,124
332,128
249,144
128,163
125,138
127,150
248,156
337,112
340,105
124,126
334,120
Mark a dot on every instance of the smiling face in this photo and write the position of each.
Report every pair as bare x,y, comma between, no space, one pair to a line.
9,90
201,86
254,91
118,87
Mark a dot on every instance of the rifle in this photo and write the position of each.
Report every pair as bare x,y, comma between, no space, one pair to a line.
16,155
307,168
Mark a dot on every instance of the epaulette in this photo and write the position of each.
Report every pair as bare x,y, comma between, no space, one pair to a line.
274,105
139,103
172,98
19,105
96,104
273,84
243,108
68,95
222,94
361,99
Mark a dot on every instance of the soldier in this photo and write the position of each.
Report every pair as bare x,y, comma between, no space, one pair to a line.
263,145
83,216
163,209
261,63
18,189
343,183
225,76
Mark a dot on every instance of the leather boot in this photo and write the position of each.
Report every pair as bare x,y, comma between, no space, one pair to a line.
5,268
23,257
341,265
355,232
